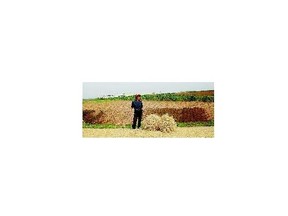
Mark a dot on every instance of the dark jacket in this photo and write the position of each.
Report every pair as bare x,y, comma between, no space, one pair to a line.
137,105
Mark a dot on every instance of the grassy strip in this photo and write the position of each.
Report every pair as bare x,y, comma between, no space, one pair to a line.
103,126
179,124
184,96
196,124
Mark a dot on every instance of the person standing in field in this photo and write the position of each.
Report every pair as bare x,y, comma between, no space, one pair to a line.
137,105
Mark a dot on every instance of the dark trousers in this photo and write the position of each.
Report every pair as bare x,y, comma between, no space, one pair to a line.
137,116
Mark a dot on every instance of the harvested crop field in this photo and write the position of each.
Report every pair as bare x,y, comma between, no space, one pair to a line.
120,112
185,132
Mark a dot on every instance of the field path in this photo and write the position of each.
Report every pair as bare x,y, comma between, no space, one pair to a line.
184,132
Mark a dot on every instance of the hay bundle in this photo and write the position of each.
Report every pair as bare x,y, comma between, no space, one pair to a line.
167,124
164,124
151,122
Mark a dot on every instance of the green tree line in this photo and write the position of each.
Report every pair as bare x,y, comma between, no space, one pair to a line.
165,97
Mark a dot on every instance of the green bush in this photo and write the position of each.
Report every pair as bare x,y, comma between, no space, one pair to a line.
165,97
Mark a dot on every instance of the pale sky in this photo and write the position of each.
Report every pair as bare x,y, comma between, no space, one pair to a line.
98,89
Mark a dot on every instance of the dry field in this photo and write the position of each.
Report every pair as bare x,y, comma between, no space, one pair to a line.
185,132
120,112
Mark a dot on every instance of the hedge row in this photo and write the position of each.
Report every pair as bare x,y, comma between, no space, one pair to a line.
165,97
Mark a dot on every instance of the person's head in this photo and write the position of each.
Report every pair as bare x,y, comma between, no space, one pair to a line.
138,97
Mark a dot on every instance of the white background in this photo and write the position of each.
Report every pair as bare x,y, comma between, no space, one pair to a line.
48,48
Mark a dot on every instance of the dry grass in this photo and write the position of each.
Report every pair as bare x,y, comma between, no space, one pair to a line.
120,112
167,124
151,123
186,132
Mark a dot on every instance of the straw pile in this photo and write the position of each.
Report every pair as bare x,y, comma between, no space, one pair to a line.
164,124
167,124
151,122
